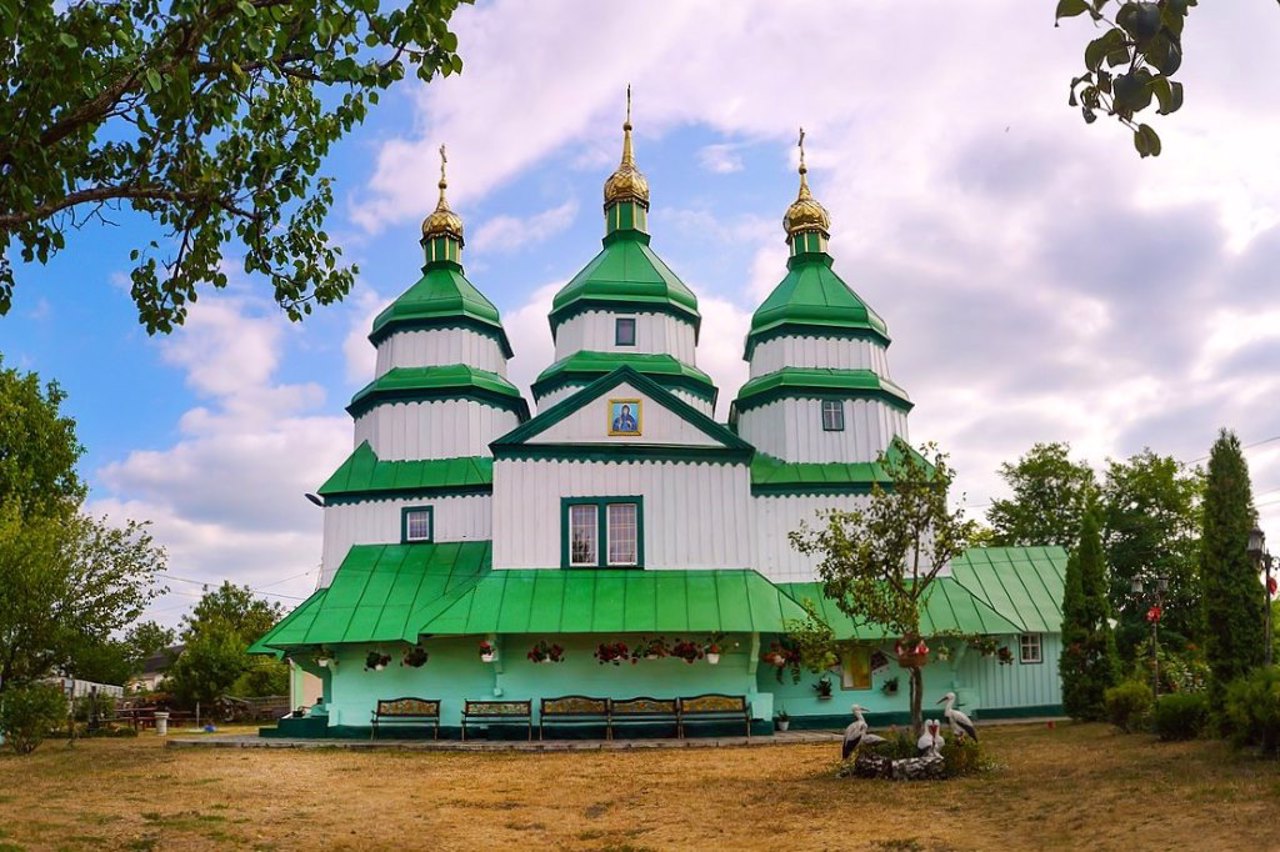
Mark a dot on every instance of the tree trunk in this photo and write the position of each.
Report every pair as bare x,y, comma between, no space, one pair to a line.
917,701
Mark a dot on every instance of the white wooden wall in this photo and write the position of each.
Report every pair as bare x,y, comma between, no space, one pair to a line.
776,517
435,429
546,402
695,515
833,352
436,346
591,423
594,331
462,518
791,429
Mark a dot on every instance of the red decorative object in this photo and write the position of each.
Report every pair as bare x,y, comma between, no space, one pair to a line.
687,651
1271,586
612,652
1153,614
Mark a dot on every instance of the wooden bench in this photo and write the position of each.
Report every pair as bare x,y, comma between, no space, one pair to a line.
644,709
406,709
497,711
714,707
575,710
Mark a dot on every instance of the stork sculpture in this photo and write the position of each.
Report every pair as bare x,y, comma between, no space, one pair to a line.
856,734
930,741
960,723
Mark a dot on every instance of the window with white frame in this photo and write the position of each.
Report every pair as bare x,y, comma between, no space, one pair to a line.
416,524
1029,645
583,532
832,415
602,532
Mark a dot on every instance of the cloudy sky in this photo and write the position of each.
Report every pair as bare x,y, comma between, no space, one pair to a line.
1039,281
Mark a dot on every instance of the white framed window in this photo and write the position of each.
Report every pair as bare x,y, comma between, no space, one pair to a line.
622,533
624,331
1029,648
583,535
416,524
832,415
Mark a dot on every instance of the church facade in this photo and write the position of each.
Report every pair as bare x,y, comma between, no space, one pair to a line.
609,537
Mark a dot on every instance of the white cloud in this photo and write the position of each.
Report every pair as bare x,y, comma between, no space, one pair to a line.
508,233
530,335
720,344
361,357
720,159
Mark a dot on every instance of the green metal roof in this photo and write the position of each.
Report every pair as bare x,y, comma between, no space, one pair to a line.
1023,583
585,367
813,300
770,475
625,275
447,381
792,382
380,593
364,474
441,297
617,601
947,606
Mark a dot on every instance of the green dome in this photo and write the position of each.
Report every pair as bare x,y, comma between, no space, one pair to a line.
442,298
813,300
625,276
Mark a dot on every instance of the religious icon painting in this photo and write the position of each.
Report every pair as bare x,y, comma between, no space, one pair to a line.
624,417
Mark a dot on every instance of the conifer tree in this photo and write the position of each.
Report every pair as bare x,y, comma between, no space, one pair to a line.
1231,593
1089,663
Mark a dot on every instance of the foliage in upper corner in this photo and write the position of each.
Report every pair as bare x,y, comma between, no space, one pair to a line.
211,119
1144,44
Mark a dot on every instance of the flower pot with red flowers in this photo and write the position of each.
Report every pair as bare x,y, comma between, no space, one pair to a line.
688,651
650,649
377,661
546,652
1005,656
713,653
415,658
611,653
911,654
487,652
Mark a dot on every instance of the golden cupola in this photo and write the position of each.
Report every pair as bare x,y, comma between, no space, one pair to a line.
627,183
442,222
806,215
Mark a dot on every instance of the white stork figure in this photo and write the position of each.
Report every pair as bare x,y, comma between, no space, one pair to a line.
960,723
856,734
930,741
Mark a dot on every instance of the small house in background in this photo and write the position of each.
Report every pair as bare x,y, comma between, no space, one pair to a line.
154,669
620,542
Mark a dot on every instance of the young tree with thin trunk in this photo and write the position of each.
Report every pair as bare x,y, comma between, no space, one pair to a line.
879,560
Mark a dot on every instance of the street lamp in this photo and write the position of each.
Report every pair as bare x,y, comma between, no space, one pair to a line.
1258,553
1153,615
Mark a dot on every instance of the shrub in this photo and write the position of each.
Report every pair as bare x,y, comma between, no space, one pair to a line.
28,713
897,745
98,705
1251,710
1181,715
963,756
1128,705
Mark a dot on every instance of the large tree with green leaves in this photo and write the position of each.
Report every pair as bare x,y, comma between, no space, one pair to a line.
1151,528
38,447
878,560
217,634
210,117
1050,495
1089,664
1231,591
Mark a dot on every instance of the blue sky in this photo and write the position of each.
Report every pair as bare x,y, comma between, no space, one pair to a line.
1040,282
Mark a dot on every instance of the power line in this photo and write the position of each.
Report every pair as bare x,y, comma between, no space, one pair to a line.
207,583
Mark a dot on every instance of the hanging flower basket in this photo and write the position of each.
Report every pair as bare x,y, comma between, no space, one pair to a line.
611,652
546,652
688,651
912,656
487,652
377,661
416,657
650,649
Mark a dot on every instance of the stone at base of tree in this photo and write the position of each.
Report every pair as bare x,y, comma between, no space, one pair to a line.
925,768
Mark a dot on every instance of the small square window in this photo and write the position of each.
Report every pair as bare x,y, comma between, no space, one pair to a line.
1030,651
416,524
832,415
625,331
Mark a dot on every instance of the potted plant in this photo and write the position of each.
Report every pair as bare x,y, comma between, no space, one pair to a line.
546,652
687,651
782,719
487,652
611,652
823,688
911,655
1004,655
713,653
416,657
890,686
650,649
943,653
376,660
325,658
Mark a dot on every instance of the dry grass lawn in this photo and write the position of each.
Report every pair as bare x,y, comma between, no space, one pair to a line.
1073,787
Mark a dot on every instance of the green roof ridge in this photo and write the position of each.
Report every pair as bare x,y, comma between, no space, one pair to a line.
820,382
629,274
588,365
447,381
364,474
812,299
442,294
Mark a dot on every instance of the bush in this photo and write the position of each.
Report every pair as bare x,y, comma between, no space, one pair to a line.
963,756
1251,710
896,746
28,713
1181,715
1128,705
98,705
